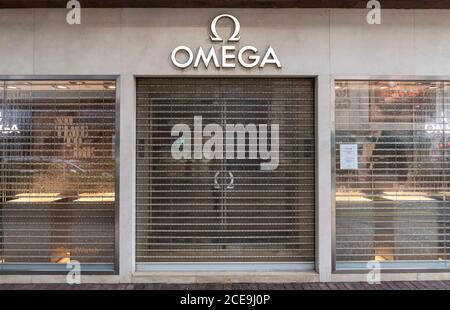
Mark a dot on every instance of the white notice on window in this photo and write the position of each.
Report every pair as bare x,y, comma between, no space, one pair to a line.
349,156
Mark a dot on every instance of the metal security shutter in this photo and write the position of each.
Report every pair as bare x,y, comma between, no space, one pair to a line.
225,210
57,175
394,207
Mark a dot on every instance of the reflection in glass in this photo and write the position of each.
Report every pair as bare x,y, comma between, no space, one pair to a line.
401,130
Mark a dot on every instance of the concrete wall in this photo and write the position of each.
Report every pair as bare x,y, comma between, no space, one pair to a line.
129,42
139,41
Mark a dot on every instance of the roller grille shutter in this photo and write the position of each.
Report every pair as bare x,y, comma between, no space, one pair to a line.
395,207
225,210
57,174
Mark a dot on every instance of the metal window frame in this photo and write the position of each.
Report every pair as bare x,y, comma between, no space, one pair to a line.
102,269
389,267
224,266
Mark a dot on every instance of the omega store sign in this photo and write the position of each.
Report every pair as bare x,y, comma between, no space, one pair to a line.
227,55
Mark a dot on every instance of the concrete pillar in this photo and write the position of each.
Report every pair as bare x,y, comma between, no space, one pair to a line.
323,177
127,176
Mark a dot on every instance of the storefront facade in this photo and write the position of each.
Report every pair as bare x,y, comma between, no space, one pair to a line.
187,145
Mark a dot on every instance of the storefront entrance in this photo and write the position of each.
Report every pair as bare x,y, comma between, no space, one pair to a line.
225,173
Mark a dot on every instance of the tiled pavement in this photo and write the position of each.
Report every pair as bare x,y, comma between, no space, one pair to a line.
403,285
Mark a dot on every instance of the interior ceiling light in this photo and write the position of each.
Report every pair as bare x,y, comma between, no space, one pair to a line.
401,193
61,87
348,193
11,87
35,199
406,196
110,194
77,82
352,199
38,195
96,197
392,84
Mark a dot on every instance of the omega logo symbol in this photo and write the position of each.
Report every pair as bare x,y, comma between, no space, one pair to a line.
226,56
237,28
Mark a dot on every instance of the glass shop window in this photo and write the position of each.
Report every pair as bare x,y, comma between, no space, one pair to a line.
392,173
57,174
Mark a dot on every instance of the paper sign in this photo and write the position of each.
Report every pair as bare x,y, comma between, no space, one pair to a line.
349,156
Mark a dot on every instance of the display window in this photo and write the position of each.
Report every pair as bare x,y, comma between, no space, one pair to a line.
57,174
392,174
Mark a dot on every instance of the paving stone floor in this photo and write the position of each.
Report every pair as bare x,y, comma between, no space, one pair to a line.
400,285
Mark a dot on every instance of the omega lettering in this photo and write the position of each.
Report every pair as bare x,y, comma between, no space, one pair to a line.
225,56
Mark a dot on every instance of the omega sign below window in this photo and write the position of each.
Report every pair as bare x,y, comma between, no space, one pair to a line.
248,56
